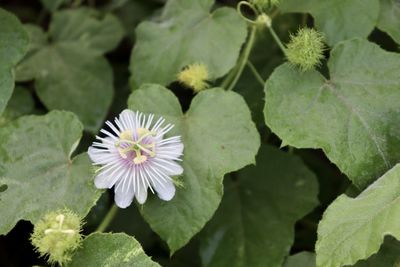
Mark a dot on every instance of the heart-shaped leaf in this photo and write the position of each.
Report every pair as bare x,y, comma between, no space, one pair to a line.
354,116
338,19
389,18
254,225
219,137
121,250
187,33
354,228
37,171
13,45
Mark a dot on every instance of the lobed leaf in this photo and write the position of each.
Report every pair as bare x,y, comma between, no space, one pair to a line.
353,116
354,228
100,249
37,171
254,225
338,19
73,65
187,33
87,28
13,46
219,137
389,18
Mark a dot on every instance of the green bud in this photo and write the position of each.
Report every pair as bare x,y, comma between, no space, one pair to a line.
264,4
305,49
57,235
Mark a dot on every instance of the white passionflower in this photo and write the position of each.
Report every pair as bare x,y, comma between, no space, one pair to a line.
135,156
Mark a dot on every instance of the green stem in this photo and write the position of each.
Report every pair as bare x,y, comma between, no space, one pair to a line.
108,219
228,78
255,72
276,38
244,57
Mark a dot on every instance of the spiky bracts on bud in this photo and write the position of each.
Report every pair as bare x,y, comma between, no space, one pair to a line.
194,76
57,235
264,4
306,49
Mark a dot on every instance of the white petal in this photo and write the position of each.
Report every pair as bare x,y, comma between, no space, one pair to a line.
127,119
109,176
166,191
124,193
168,167
141,193
170,150
103,181
95,154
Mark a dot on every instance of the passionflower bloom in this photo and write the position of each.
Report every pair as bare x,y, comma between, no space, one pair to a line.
135,156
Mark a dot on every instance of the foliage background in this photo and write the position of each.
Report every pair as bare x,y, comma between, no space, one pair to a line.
280,215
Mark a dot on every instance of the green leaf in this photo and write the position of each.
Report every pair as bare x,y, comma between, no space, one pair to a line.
37,171
219,137
101,249
6,87
21,103
131,13
389,18
13,45
87,27
388,255
72,65
254,225
302,259
354,116
338,19
13,40
26,68
53,5
84,81
354,228
188,33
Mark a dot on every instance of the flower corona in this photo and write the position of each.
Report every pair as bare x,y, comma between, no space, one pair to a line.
135,156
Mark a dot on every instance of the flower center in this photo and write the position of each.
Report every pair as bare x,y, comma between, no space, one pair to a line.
136,147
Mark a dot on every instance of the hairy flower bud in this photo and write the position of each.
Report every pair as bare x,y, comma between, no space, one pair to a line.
306,49
194,76
57,235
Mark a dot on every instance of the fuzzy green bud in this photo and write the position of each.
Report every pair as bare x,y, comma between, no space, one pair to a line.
57,235
194,76
305,49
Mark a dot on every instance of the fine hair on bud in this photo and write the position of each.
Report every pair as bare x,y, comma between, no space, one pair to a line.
57,235
195,76
305,49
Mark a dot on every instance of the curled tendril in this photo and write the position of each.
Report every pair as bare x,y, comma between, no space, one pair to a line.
239,10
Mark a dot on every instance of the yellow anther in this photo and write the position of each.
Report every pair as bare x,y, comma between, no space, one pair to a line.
139,159
126,135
